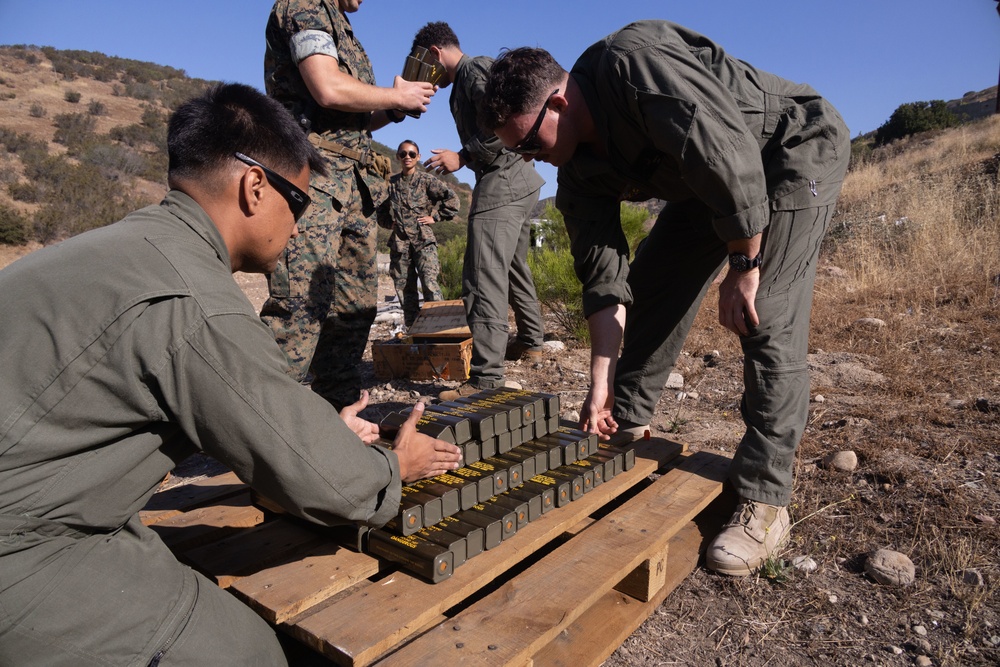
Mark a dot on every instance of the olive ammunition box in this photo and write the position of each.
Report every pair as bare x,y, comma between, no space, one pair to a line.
474,535
455,543
468,490
562,492
509,503
628,455
489,482
427,559
553,453
513,476
492,527
576,478
450,502
430,506
538,503
481,420
507,518
392,422
460,426
525,459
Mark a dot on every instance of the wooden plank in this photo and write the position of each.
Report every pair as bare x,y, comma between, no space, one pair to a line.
208,524
252,550
441,319
286,590
598,633
588,641
647,579
360,628
179,499
511,624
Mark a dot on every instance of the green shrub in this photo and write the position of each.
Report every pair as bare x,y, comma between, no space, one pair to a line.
915,117
451,255
96,108
37,111
556,283
73,129
13,226
72,96
25,191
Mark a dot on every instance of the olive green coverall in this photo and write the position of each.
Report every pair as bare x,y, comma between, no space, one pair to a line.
736,152
126,349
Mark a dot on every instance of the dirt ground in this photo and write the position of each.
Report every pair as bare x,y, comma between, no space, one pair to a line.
925,486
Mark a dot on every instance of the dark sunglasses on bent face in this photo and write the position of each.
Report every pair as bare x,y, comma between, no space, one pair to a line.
403,154
298,201
529,145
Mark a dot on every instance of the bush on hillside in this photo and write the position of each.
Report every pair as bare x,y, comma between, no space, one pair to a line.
13,226
73,130
915,117
72,96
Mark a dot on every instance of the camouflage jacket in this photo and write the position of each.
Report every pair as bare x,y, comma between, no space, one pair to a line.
501,176
412,197
283,82
681,119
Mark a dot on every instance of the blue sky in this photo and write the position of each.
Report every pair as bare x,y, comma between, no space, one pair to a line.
866,56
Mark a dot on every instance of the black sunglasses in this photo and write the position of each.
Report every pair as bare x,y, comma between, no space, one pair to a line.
298,201
402,154
529,145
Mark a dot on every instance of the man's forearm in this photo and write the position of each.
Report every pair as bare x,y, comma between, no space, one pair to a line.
606,330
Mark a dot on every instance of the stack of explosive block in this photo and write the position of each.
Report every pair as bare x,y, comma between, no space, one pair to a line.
519,463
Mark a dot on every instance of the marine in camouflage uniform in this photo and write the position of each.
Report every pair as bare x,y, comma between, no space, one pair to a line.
322,296
414,196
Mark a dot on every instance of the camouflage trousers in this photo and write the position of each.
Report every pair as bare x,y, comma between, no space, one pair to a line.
323,295
406,264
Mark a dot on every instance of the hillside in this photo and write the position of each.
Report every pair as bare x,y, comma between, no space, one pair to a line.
83,139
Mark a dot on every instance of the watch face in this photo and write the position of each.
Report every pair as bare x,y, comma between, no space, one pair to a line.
739,263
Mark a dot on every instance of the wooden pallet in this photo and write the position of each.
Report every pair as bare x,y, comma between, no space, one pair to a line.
567,589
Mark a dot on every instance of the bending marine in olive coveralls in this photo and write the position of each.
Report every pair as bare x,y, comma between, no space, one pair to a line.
743,157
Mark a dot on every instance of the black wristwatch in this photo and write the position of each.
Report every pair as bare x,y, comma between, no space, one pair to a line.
741,263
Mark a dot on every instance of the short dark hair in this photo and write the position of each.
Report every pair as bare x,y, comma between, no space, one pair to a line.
204,132
436,33
519,80
408,141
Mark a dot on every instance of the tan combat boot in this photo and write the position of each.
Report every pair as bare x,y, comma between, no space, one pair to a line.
753,534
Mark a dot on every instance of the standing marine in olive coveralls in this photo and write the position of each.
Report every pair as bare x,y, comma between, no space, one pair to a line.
495,272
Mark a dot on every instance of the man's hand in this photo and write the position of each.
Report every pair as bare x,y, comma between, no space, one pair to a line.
426,220
444,161
736,301
367,431
606,329
595,416
413,95
420,455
